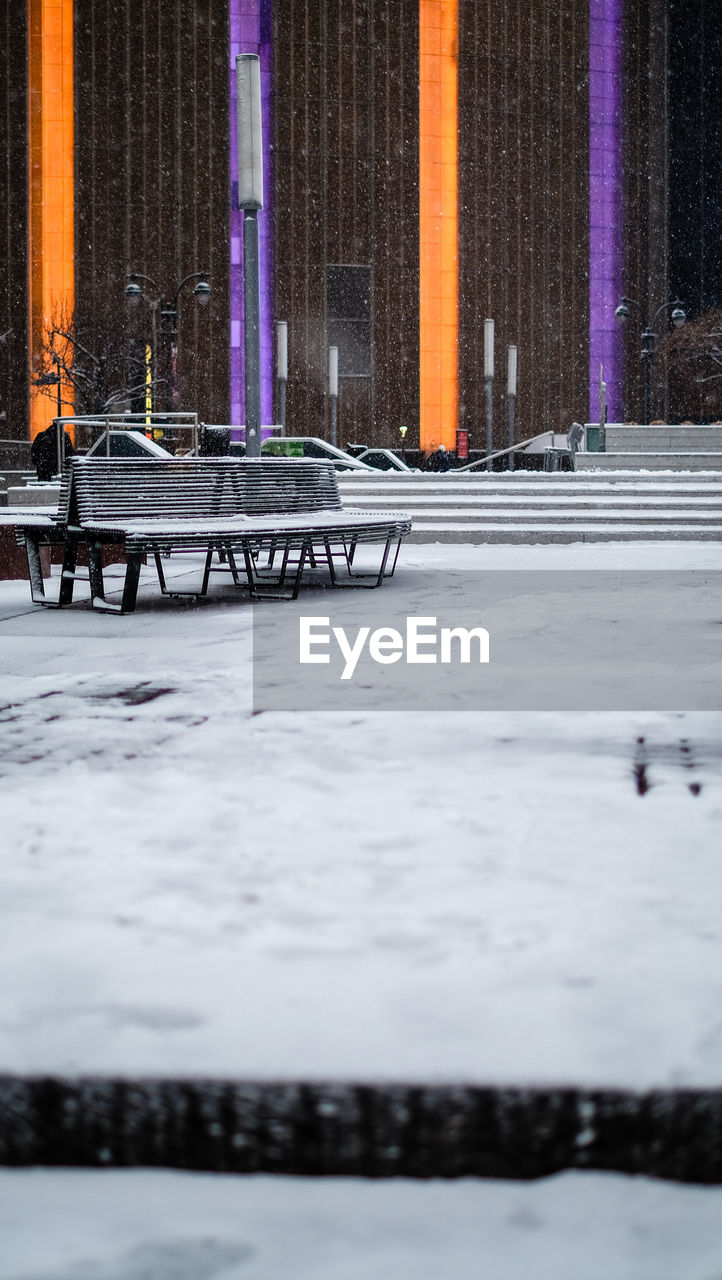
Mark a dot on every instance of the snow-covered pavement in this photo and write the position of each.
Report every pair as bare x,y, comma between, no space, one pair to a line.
176,1226
189,888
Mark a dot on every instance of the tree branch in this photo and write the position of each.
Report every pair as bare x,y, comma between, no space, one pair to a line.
78,345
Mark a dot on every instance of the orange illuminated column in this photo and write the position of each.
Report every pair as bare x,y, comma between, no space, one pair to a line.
438,221
51,195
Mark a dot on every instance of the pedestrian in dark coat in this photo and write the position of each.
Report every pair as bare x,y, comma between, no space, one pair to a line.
440,460
44,452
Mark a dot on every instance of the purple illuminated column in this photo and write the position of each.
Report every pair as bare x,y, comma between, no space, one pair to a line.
251,33
605,203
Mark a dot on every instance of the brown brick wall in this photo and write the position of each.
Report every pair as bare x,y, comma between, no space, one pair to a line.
646,192
346,172
524,201
152,170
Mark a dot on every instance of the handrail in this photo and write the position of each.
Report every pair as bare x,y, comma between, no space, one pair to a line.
500,453
144,417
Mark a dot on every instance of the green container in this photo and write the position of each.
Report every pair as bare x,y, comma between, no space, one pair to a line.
595,440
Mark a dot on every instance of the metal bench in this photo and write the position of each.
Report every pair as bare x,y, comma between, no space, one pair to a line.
275,516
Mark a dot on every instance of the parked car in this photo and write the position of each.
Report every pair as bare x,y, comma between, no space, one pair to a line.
304,447
127,444
384,460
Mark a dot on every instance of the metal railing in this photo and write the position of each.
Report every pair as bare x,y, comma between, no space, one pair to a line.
501,453
124,421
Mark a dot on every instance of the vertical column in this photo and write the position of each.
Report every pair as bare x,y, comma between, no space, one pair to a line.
51,194
438,221
251,33
606,284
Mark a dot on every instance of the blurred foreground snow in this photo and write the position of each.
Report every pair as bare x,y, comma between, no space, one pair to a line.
70,1225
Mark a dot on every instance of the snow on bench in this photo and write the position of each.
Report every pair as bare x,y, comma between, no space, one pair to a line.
258,509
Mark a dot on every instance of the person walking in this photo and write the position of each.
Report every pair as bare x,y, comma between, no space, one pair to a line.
439,460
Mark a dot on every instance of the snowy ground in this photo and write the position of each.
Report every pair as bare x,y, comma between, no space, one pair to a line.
188,888
174,1226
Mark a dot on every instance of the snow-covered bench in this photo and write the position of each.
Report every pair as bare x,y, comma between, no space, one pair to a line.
275,515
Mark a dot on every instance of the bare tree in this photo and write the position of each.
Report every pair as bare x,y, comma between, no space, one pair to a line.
694,355
100,369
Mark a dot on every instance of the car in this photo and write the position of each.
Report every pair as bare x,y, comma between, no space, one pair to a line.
384,460
127,444
304,447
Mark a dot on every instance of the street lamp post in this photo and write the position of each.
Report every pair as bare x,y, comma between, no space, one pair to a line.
168,312
55,380
649,339
489,388
511,372
282,370
402,433
333,391
250,200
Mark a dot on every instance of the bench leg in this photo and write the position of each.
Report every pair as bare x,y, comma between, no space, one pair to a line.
390,572
130,583
174,595
261,590
271,554
234,568
159,571
354,579
387,572
67,573
224,554
95,574
35,573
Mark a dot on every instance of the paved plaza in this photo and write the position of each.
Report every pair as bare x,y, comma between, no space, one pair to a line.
426,896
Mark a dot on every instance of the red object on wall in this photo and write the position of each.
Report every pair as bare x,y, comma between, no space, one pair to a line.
462,443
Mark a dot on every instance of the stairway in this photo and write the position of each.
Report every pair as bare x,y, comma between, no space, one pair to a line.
534,507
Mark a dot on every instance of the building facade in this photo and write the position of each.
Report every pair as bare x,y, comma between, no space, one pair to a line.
427,164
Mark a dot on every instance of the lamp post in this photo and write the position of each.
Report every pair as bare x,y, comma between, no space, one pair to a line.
282,370
402,433
250,200
511,398
168,312
489,387
333,391
649,338
55,380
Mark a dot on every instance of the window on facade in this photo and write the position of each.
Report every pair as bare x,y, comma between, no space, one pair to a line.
348,307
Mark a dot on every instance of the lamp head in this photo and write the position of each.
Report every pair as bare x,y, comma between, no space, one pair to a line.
678,316
621,315
202,292
133,292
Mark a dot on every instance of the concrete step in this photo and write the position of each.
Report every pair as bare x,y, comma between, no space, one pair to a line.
529,504
653,461
564,517
478,534
533,481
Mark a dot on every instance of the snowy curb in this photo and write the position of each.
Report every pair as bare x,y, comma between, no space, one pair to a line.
366,1130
